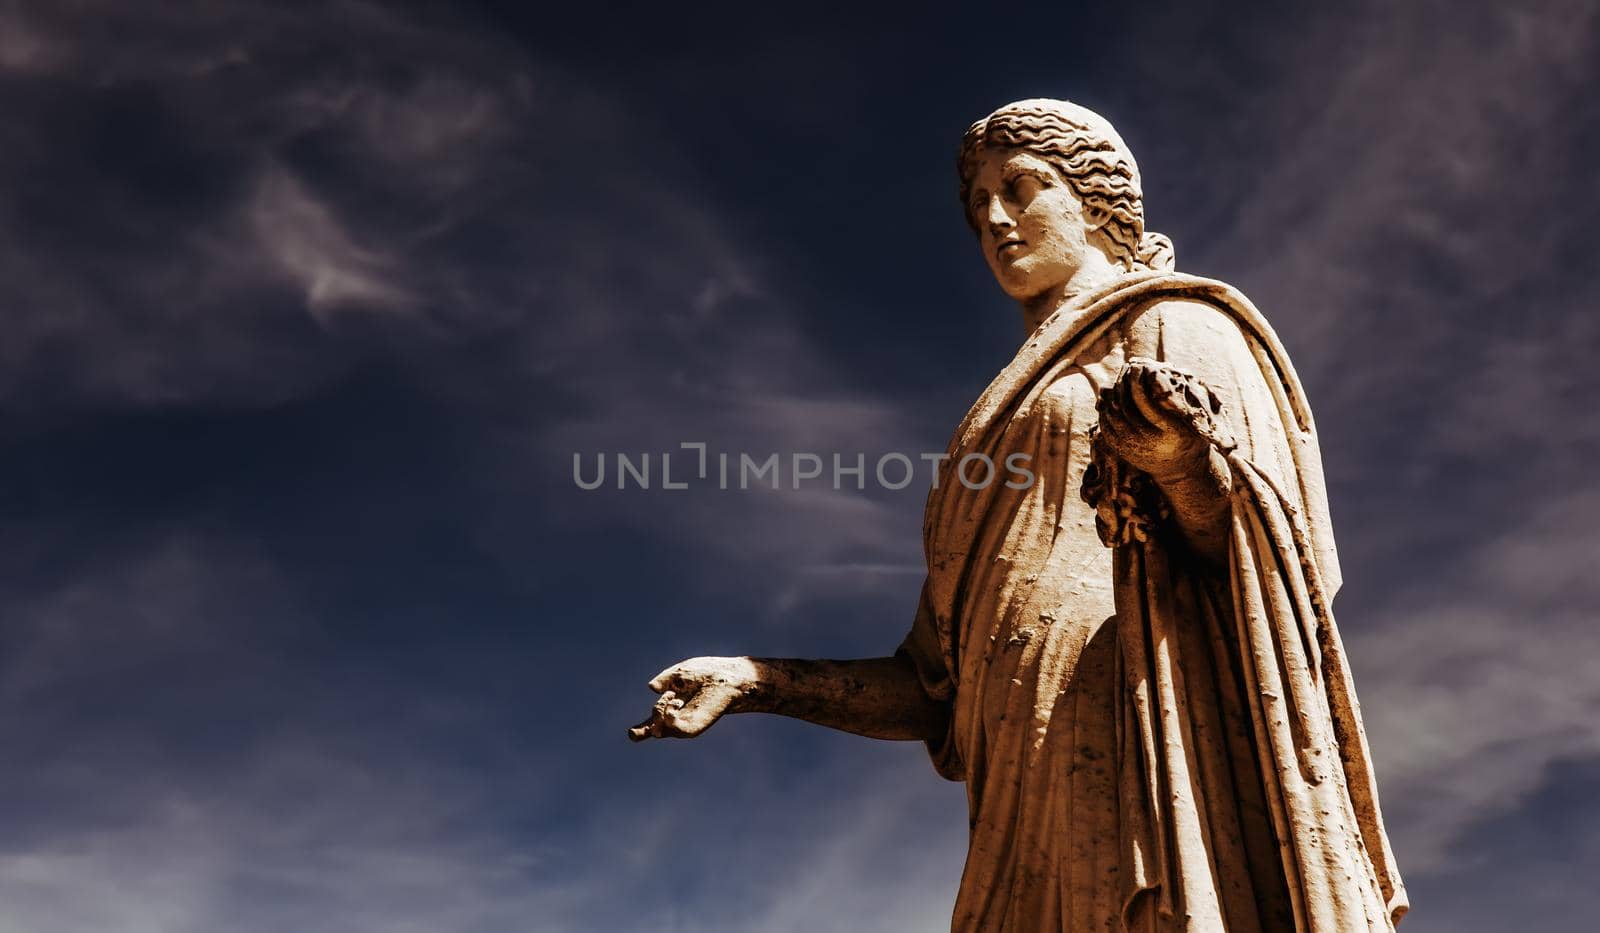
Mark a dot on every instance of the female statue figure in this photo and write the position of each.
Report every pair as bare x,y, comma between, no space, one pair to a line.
1131,662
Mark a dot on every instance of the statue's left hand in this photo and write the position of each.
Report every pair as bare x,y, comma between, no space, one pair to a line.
1161,420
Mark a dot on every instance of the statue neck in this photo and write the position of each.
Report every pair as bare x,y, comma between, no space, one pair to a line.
1096,270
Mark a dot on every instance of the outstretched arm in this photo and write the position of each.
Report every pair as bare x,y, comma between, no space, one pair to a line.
880,698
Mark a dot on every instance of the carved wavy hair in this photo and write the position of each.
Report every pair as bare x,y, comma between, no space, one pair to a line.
1087,153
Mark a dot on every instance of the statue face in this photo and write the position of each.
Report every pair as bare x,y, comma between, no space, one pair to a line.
1030,223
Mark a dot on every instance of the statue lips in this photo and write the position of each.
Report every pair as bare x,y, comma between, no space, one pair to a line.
1005,252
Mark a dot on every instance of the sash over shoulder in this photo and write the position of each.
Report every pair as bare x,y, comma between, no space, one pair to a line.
1284,668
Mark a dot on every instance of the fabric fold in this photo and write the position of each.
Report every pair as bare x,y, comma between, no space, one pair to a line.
1214,775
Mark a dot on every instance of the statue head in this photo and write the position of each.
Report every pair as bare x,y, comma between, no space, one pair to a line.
1042,181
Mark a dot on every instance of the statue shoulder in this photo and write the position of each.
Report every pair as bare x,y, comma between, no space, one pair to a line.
1183,331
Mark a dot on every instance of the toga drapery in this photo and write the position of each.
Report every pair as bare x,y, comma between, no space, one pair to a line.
1149,743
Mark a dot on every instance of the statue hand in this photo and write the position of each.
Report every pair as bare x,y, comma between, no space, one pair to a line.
694,695
1161,420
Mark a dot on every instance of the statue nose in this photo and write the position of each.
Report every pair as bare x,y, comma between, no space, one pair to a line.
999,220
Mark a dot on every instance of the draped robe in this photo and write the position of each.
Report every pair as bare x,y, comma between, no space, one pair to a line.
1149,743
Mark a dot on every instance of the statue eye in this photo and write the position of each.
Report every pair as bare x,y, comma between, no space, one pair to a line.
1024,187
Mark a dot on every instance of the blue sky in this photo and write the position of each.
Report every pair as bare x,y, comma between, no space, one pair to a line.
305,626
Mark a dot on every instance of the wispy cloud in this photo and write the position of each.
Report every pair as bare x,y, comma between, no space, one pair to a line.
306,814
22,47
1412,238
185,183
214,206
1480,681
303,237
465,193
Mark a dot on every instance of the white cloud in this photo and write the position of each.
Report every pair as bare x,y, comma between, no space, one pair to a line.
675,327
306,820
1477,682
1406,242
174,597
177,276
22,47
301,235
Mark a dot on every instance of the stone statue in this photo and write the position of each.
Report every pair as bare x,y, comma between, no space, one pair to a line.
1131,662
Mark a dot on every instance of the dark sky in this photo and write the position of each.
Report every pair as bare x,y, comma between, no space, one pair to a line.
305,625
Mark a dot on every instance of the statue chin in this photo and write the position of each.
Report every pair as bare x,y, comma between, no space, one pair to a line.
1022,282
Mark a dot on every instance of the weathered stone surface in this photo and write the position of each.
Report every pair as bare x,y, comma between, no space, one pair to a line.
1132,660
